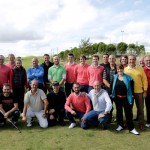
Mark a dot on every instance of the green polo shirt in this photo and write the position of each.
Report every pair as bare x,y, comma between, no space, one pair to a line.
57,73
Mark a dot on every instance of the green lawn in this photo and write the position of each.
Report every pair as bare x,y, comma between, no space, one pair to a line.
62,138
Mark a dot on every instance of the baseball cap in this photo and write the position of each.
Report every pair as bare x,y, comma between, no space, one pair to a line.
55,83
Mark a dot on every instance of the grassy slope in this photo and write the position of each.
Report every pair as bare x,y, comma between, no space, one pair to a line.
62,138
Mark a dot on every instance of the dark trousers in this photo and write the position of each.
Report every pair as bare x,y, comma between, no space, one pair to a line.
147,103
19,96
111,112
59,116
14,115
68,88
84,88
120,104
79,115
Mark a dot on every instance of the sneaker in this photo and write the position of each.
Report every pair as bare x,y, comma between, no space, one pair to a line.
134,132
29,124
72,125
147,125
119,128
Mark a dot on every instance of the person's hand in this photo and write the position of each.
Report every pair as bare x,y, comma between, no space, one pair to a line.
73,112
44,115
24,118
51,117
51,111
101,116
144,94
82,119
6,115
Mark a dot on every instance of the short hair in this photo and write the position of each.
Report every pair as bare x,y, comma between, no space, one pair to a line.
46,55
95,55
83,57
18,59
105,54
119,66
9,55
71,54
6,84
76,83
132,56
125,56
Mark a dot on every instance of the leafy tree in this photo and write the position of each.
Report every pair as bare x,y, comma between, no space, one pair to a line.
122,47
102,47
132,48
110,48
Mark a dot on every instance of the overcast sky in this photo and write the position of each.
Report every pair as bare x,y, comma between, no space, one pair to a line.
35,27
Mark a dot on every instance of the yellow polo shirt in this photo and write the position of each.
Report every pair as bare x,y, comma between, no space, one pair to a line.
139,77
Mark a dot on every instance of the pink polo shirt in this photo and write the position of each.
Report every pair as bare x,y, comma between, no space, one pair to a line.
81,74
70,76
95,74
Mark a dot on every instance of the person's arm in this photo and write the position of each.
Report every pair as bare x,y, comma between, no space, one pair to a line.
30,74
45,101
40,72
24,118
67,104
63,77
1,109
50,75
6,114
108,103
107,84
87,104
10,79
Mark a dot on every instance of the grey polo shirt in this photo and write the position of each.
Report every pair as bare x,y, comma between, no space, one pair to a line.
35,101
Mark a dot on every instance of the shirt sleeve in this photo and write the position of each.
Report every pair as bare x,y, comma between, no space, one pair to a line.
108,102
67,104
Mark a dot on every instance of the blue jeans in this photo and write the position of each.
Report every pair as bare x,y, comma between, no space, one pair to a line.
79,115
84,88
90,88
91,118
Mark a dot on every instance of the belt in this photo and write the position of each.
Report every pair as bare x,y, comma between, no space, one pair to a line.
121,96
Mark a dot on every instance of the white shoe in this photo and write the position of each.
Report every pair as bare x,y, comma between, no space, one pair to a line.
29,124
147,125
119,128
72,125
134,132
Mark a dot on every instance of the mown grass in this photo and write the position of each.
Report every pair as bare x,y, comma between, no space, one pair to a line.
62,138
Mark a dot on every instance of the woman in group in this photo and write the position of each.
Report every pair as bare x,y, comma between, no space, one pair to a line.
124,60
19,83
122,91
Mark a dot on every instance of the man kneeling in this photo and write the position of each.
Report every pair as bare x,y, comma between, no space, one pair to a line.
35,105
101,107
77,105
8,106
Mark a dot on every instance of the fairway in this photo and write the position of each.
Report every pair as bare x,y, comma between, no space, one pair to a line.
62,138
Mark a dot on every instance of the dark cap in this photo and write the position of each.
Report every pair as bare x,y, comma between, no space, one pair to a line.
55,83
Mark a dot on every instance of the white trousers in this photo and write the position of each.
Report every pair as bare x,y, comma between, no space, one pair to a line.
39,115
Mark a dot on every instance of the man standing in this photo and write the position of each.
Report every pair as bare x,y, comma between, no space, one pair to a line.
57,73
105,60
77,105
46,65
56,100
147,99
36,72
11,61
101,107
35,105
70,76
5,74
95,72
140,87
81,75
8,106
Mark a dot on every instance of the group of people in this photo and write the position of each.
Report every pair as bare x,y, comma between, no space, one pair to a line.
54,91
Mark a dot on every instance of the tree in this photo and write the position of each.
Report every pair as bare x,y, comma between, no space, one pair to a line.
122,47
102,47
85,46
132,48
111,48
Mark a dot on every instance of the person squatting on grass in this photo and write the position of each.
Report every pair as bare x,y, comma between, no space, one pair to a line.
77,105
56,100
35,105
101,107
8,106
